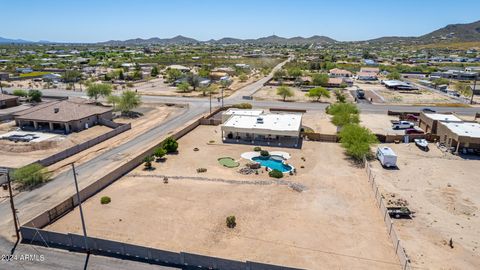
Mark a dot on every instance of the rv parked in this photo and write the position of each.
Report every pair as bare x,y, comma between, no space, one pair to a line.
387,157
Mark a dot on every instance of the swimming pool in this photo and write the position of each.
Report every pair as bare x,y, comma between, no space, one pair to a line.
273,163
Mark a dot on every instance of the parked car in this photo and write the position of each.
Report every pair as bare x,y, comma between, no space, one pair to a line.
360,94
399,212
387,157
414,131
402,125
428,110
411,117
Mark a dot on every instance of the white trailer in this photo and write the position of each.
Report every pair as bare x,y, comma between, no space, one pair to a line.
387,157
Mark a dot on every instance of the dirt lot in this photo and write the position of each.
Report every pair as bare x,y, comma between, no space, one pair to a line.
333,224
26,153
153,114
319,122
384,95
380,123
443,190
270,93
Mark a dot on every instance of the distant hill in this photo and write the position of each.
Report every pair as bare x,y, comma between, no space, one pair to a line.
16,41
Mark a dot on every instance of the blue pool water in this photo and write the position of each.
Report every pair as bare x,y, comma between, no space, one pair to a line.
273,162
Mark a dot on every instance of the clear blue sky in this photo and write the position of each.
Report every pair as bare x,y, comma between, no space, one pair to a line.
101,20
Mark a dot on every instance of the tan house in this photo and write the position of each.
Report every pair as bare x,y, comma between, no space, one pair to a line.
429,121
339,73
62,116
459,135
7,101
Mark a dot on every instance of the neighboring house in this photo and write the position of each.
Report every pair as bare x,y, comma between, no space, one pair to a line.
370,70
4,76
339,73
398,85
367,76
23,70
455,74
62,116
459,135
263,129
52,77
179,67
7,101
429,121
335,82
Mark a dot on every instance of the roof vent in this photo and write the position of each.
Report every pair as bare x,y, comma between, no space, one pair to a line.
56,110
259,120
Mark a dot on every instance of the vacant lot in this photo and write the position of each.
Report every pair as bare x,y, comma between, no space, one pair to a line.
270,93
332,224
380,123
444,192
319,122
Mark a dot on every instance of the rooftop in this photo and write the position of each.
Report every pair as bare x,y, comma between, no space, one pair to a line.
4,97
467,129
61,111
443,117
271,121
233,111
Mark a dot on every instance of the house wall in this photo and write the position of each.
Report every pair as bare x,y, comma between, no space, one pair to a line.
8,103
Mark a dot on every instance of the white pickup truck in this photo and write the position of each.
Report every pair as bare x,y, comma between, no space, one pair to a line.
402,125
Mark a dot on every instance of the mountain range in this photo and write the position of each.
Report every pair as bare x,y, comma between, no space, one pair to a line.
452,32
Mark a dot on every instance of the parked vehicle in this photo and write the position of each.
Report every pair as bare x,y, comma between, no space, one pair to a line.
422,143
428,110
387,157
402,125
414,131
360,94
411,117
399,212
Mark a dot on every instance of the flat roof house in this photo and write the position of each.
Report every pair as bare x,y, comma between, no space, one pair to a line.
459,135
269,129
367,76
7,101
429,121
62,116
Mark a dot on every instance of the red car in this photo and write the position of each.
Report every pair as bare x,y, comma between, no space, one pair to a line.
414,131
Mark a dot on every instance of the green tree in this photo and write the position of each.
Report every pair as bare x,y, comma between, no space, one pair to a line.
295,72
20,93
34,96
317,93
31,175
183,86
129,100
159,152
284,92
279,74
72,76
148,162
170,144
95,90
121,76
194,81
320,79
440,81
114,100
243,77
357,141
342,107
394,75
154,72
340,96
344,118
204,73
173,74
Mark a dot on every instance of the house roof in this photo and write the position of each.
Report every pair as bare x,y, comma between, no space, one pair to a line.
443,117
271,121
466,129
340,71
61,111
4,97
366,74
335,80
370,69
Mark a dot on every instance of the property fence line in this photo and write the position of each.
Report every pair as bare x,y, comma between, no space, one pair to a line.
109,248
320,137
389,224
83,146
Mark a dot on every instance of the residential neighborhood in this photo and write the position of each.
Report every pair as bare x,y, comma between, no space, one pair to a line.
239,135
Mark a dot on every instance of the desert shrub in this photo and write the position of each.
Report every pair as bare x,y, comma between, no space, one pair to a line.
275,173
264,153
242,106
105,200
257,149
31,175
170,144
148,162
159,152
253,165
357,141
20,93
231,222
201,170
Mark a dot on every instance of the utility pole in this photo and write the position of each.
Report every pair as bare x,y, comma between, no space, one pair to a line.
210,100
80,208
474,87
222,97
12,205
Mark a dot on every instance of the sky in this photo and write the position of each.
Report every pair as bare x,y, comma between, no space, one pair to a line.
345,20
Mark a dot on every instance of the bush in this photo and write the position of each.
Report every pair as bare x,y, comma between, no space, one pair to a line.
148,162
201,170
243,106
357,141
170,144
20,93
231,222
275,173
253,165
264,153
159,152
257,149
105,200
31,175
